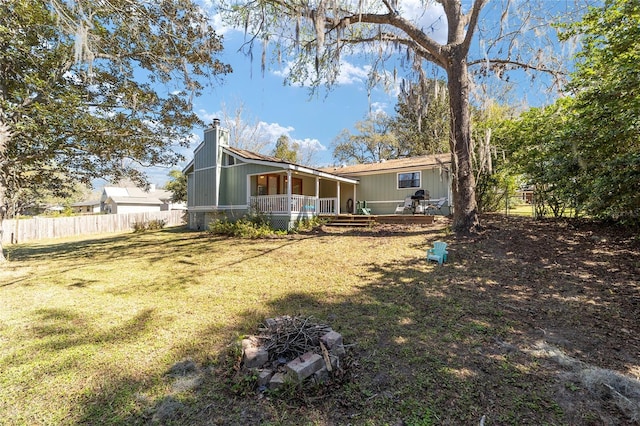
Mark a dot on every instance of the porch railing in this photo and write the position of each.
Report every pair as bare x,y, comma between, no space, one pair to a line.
299,204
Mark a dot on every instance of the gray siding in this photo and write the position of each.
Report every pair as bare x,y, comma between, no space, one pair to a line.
191,194
206,155
202,183
204,188
233,186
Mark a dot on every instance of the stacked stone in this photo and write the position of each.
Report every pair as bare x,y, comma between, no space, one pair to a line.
316,364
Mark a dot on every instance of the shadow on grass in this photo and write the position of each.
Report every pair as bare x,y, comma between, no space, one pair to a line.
427,344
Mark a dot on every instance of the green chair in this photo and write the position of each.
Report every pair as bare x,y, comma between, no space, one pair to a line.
438,252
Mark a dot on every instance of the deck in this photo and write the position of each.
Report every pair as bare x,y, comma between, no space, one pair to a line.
370,220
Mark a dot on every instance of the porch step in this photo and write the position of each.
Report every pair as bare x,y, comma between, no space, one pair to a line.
355,221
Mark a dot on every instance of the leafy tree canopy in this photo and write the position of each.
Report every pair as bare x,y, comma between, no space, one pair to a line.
421,123
605,118
177,184
97,89
374,141
286,150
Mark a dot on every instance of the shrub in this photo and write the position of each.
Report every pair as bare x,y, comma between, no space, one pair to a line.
307,224
149,225
242,228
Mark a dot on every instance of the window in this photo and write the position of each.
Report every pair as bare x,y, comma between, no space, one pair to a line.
228,160
409,180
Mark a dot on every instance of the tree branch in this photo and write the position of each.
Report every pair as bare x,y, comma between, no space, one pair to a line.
419,39
518,64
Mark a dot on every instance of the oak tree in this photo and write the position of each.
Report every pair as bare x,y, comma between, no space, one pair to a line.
316,36
98,89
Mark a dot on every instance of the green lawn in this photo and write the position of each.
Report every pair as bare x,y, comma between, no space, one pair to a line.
90,329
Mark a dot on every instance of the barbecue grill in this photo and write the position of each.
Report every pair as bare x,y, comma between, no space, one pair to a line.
420,195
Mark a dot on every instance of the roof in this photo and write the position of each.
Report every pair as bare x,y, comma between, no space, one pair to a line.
136,200
391,165
255,157
86,203
134,195
132,191
249,155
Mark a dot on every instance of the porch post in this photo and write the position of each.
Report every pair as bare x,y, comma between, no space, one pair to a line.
317,201
289,192
354,199
248,193
338,202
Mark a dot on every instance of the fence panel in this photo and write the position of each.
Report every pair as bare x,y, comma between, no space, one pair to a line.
39,228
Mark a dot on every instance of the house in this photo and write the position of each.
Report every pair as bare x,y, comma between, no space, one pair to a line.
224,179
130,199
221,178
86,207
387,184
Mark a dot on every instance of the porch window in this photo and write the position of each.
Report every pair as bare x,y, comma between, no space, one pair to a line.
409,180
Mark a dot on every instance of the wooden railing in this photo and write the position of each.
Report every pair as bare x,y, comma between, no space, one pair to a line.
329,206
299,204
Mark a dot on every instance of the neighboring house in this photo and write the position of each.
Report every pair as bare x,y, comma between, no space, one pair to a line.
223,179
86,207
130,199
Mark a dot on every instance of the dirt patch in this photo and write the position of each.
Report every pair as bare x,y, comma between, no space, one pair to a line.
570,286
575,288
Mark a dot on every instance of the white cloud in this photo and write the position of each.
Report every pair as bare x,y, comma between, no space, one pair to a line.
209,8
350,74
379,107
275,130
310,144
427,15
208,117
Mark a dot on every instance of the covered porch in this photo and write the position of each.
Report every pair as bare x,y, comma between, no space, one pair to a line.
300,195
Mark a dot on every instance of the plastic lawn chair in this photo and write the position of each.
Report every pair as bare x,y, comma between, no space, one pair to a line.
438,252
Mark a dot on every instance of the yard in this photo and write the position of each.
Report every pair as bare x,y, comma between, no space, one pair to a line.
533,322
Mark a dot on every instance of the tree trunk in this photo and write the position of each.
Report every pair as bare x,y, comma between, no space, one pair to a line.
4,143
465,209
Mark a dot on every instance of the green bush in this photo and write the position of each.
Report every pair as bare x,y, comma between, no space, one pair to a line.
307,224
256,225
149,225
242,228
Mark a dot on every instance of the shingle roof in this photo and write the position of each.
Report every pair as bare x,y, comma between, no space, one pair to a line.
255,156
401,163
134,195
86,203
249,155
136,200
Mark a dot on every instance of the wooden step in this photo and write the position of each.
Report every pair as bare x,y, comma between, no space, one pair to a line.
351,221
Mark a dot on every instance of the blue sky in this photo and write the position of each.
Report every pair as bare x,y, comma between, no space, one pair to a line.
289,110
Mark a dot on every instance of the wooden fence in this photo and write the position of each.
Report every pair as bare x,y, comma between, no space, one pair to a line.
38,228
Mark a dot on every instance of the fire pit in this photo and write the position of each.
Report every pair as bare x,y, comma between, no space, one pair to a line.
292,350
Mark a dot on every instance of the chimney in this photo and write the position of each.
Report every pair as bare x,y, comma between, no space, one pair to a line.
216,122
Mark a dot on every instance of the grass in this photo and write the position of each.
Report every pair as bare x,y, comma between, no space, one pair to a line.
91,328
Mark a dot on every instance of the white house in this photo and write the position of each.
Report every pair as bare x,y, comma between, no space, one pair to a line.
130,199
